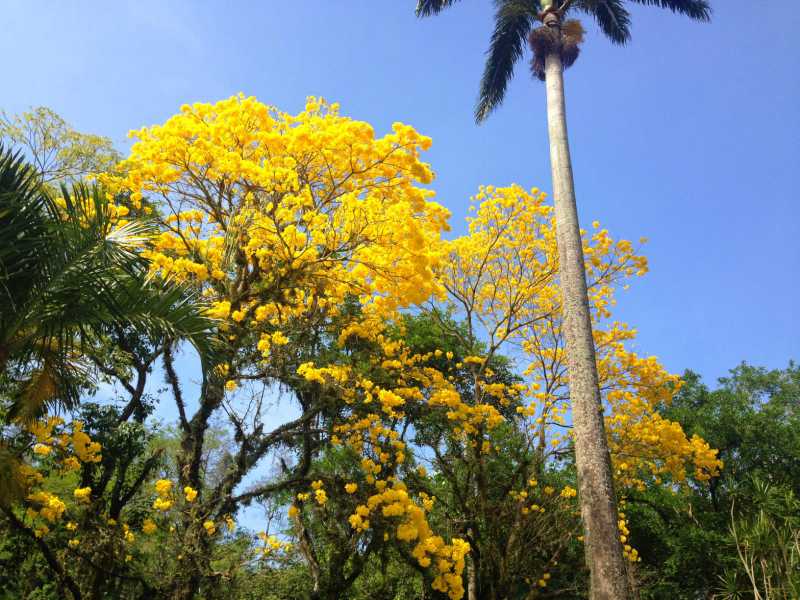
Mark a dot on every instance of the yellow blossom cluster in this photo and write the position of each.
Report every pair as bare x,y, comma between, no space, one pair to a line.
272,545
85,449
503,274
627,550
531,501
412,527
164,492
370,431
190,493
71,448
317,206
83,494
48,506
149,527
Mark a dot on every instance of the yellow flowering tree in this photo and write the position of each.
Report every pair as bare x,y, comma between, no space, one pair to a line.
309,236
456,402
299,230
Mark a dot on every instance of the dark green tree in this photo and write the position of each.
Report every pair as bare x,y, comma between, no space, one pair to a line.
688,540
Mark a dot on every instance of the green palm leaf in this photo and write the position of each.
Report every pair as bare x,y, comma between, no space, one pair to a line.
69,275
610,15
695,9
426,8
513,21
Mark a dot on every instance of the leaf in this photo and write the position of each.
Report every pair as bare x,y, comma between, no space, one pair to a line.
695,9
427,8
612,18
513,21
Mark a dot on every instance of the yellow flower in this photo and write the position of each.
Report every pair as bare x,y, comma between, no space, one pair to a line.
163,487
293,511
279,339
190,493
70,463
162,505
209,527
41,449
568,492
231,385
149,526
82,494
350,488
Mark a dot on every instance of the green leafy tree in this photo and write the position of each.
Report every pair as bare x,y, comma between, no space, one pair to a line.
693,542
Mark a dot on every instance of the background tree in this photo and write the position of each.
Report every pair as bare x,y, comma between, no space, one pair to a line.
555,46
687,540
57,152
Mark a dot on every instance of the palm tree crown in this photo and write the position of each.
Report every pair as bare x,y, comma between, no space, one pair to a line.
515,21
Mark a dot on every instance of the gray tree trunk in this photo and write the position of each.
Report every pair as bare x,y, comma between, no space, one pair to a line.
598,504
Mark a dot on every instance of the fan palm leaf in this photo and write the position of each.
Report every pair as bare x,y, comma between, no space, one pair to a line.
69,271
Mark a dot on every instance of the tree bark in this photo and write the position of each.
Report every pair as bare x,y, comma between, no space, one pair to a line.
598,504
472,579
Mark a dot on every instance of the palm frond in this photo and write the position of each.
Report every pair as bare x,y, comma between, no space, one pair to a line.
168,311
427,8
55,383
611,16
70,272
24,235
695,9
513,21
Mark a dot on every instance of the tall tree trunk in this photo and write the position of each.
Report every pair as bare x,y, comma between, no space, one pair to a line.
472,579
598,505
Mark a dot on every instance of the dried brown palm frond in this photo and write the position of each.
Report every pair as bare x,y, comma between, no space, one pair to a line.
545,39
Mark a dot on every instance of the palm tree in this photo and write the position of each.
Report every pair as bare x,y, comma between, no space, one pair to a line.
555,46
68,275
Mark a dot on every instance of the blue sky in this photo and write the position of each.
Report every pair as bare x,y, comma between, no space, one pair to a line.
687,136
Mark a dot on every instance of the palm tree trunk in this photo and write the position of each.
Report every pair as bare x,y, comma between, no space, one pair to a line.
598,505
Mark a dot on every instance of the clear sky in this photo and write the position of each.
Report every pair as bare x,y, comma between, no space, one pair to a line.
688,136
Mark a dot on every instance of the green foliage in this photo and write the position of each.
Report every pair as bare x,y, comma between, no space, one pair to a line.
690,541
